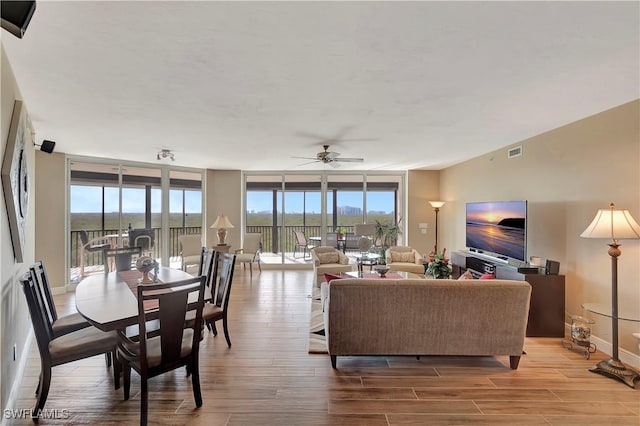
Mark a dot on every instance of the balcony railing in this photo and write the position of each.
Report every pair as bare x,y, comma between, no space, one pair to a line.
95,258
274,239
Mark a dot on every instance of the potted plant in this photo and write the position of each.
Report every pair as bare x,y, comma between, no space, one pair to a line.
438,267
387,234
341,232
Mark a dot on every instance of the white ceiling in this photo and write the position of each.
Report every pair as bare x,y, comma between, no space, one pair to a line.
248,85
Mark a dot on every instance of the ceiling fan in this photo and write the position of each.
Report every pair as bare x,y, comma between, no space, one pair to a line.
330,157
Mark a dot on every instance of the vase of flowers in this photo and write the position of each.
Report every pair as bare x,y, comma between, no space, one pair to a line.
438,266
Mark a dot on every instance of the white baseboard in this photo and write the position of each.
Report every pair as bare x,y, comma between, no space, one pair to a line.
603,346
22,363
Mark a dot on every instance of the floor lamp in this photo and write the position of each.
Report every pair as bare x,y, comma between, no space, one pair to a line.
614,225
436,206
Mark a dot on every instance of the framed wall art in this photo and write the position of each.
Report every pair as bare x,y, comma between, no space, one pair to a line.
15,179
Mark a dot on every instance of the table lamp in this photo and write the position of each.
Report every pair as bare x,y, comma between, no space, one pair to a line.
614,225
222,223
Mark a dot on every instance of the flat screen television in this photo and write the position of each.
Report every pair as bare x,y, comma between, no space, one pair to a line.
498,229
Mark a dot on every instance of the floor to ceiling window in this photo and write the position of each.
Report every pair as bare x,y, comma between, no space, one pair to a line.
279,205
107,201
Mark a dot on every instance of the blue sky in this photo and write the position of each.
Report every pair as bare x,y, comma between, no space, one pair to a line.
262,201
88,199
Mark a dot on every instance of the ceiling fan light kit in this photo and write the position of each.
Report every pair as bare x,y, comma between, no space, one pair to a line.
165,153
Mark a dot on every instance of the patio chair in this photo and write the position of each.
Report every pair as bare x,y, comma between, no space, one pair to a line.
301,243
143,238
190,250
90,246
120,258
250,251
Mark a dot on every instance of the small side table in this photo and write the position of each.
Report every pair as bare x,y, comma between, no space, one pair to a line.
366,259
223,248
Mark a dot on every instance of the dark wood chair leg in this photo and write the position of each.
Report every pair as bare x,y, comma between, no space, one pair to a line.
334,360
226,331
144,401
195,383
117,368
39,384
126,373
107,358
213,328
43,392
514,361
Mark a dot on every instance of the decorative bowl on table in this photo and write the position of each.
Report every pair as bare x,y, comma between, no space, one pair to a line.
381,270
145,265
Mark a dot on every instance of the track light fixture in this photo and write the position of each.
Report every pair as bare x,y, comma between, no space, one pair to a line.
165,153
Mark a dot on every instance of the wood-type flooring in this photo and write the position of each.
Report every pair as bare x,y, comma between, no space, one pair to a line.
269,378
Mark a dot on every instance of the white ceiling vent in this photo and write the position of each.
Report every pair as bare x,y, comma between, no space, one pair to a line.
514,152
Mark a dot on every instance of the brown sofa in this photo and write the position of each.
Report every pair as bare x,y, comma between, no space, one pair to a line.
426,317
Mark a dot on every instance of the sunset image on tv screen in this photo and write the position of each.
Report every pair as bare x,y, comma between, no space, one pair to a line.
498,227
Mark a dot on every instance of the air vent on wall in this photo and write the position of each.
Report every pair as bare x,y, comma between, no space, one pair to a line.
514,152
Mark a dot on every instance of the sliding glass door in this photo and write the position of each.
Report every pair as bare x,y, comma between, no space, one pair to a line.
285,207
112,204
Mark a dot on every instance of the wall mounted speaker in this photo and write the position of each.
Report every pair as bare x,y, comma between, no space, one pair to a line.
48,146
552,267
16,16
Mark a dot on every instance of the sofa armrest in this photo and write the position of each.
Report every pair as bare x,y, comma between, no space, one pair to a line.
344,260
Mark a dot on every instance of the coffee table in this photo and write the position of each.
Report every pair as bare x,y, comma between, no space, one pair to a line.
391,275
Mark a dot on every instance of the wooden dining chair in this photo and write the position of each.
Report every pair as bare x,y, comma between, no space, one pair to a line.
72,346
120,258
60,325
172,345
218,307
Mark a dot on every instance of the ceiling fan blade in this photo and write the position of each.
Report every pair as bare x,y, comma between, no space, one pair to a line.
331,155
307,158
349,160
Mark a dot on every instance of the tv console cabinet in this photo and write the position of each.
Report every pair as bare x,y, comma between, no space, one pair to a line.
546,310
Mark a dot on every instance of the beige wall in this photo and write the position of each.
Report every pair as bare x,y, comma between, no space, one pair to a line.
422,186
566,175
50,190
224,197
14,316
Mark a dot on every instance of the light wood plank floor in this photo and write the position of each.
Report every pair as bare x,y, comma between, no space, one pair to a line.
268,378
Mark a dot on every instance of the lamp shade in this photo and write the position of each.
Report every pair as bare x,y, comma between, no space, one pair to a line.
612,224
222,222
436,204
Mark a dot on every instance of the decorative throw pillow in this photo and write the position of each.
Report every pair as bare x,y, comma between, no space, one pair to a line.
487,276
403,256
331,257
466,276
328,277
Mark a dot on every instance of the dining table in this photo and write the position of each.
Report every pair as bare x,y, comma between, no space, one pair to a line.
110,301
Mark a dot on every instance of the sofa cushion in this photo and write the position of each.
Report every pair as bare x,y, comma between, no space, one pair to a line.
324,258
407,257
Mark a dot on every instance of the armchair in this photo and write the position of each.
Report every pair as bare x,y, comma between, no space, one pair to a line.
328,260
404,258
190,250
